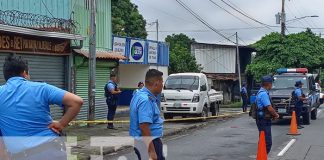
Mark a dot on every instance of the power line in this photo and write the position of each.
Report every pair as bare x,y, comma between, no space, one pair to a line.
230,13
248,16
306,20
47,9
202,20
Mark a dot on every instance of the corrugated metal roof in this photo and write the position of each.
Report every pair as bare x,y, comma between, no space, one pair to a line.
101,54
220,76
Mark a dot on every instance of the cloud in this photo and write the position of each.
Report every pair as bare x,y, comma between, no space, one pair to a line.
174,19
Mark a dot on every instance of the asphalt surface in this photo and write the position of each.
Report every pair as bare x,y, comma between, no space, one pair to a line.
237,139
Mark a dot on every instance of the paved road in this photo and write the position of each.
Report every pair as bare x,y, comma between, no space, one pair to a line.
237,139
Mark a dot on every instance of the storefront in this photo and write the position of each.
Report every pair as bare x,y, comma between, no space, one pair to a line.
105,64
141,55
47,54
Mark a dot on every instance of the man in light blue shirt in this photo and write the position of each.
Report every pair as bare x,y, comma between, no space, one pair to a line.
265,111
244,95
112,93
146,124
299,98
26,124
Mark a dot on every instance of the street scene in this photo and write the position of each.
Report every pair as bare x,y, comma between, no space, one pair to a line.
161,80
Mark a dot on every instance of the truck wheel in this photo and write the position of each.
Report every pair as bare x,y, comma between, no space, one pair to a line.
314,114
168,116
306,118
204,114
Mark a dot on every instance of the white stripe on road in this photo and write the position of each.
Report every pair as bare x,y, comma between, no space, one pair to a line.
283,151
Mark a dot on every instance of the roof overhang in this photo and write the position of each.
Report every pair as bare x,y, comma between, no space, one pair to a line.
33,32
101,54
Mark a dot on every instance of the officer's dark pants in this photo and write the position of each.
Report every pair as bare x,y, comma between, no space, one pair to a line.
54,150
142,151
298,114
265,125
244,105
111,112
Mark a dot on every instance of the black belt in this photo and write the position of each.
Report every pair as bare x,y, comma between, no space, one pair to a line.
56,143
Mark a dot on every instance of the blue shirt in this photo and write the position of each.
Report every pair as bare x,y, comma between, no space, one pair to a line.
143,109
111,85
25,113
243,90
262,100
298,93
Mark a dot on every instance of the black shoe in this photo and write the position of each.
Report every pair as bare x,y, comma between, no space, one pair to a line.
300,127
111,127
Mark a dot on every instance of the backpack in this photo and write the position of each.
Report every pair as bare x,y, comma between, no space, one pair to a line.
254,110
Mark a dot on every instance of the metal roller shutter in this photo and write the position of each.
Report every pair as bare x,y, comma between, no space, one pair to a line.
2,59
48,69
102,76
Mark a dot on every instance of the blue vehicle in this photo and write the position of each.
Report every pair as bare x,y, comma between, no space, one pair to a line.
283,86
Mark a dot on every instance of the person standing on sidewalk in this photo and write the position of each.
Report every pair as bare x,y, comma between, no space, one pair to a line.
28,129
140,85
112,92
244,95
299,98
265,111
146,124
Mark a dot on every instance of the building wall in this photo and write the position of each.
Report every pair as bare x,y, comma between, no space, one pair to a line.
56,8
81,14
216,60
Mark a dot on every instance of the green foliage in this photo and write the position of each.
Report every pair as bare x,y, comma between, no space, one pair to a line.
126,20
274,51
181,60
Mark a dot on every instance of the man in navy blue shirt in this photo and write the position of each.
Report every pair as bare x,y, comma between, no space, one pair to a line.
264,108
299,98
146,124
28,129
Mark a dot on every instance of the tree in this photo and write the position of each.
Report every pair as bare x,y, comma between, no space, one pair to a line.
274,51
181,60
126,20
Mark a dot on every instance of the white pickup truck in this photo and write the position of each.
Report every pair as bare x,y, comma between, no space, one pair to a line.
189,94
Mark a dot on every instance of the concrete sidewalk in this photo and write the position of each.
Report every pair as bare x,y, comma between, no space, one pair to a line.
83,148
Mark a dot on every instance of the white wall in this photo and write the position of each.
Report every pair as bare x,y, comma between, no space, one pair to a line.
131,74
217,60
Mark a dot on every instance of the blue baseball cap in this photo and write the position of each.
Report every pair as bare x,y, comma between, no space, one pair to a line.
298,83
267,79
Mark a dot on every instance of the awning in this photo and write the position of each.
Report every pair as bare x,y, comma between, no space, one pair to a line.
34,32
101,54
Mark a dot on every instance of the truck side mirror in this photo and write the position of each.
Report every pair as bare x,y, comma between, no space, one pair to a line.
203,88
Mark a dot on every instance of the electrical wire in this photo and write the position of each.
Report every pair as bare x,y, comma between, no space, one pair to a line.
232,14
248,16
202,20
47,9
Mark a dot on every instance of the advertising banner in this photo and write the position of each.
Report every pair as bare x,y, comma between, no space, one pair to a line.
152,52
137,48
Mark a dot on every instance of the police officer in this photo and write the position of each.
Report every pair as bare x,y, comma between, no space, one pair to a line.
140,85
244,95
146,124
265,111
299,98
112,92
25,114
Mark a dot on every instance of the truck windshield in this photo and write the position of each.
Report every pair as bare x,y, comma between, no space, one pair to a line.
182,82
281,82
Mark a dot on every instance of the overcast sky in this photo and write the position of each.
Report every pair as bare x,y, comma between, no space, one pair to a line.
175,19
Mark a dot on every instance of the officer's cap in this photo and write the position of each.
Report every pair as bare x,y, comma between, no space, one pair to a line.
267,79
298,83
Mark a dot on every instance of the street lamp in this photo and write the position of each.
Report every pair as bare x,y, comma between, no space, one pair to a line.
296,19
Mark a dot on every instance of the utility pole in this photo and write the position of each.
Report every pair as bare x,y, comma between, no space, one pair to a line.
283,18
157,39
238,61
92,63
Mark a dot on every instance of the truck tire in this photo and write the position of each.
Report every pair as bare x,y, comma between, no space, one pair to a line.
204,114
314,114
168,116
306,118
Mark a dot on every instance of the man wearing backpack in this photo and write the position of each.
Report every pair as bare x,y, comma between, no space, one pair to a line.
112,92
298,97
265,112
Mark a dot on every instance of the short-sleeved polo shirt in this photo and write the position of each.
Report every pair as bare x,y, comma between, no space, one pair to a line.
111,86
298,93
144,109
243,90
262,100
25,113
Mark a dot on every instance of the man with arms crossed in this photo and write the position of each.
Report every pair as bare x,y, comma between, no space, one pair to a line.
146,124
29,133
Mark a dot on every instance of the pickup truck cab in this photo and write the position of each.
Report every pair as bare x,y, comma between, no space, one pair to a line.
284,85
186,94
